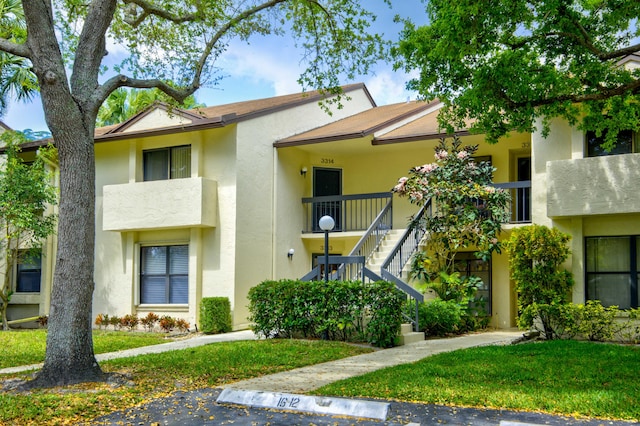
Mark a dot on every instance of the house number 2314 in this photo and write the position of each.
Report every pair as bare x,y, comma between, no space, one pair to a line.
327,161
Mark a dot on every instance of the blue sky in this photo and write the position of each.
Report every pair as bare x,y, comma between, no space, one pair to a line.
270,66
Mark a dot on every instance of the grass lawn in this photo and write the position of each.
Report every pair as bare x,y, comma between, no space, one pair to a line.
25,347
157,375
561,377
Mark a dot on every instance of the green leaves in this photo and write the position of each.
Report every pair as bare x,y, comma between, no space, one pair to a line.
337,310
508,63
468,212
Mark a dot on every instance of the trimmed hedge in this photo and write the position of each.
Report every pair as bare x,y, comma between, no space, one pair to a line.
337,310
215,315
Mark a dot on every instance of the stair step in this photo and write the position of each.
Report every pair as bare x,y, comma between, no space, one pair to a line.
412,337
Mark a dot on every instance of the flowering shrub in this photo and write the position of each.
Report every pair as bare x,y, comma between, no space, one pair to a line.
467,210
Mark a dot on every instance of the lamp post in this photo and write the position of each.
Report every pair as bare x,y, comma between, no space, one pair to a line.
326,223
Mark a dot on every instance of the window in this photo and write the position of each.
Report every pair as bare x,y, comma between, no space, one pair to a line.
167,163
468,265
612,270
28,272
626,144
164,275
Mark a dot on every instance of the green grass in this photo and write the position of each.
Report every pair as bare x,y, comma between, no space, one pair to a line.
24,347
560,377
158,375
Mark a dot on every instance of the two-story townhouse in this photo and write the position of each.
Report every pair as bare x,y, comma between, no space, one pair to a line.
211,202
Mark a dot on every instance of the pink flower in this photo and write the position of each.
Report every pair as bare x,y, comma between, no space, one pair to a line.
462,155
490,189
400,187
441,155
415,195
427,168
494,241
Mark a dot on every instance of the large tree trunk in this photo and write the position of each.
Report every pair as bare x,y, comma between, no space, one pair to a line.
69,356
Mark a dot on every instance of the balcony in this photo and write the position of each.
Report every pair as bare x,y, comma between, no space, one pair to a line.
350,212
161,204
520,200
592,186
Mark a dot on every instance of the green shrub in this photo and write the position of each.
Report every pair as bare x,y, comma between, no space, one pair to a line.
215,315
440,317
590,321
536,254
336,310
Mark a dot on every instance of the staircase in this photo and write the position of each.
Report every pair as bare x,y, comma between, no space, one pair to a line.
375,262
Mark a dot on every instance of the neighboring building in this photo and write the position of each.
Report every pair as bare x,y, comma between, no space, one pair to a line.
211,202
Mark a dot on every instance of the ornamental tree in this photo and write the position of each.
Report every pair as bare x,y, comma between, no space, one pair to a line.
173,45
25,193
467,211
508,63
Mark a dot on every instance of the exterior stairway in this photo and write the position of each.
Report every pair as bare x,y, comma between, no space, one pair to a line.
375,261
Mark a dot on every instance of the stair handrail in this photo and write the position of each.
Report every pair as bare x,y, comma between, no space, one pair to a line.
376,230
408,243
400,255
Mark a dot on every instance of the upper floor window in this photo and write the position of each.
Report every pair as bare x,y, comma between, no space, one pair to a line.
28,272
167,163
627,143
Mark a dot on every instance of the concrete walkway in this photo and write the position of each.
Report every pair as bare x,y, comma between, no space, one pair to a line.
315,376
305,379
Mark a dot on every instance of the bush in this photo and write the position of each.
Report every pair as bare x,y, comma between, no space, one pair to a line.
149,322
337,310
215,315
129,321
167,323
536,254
440,317
182,325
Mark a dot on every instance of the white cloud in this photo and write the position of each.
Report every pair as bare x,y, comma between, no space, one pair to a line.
270,62
388,87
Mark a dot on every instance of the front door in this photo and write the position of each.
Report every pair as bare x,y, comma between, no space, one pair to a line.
327,182
523,195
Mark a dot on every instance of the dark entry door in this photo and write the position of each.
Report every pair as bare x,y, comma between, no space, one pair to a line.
523,195
327,182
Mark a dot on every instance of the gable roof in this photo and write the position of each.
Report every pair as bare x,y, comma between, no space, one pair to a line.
208,117
366,123
220,115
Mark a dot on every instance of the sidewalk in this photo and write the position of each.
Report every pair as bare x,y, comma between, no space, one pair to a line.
155,349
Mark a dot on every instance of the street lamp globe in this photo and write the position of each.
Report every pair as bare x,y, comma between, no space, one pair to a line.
326,223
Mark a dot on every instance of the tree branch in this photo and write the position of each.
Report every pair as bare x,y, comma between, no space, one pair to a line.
179,94
15,48
150,9
221,33
91,47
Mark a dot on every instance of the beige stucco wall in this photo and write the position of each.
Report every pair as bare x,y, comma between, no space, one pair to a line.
365,169
266,191
593,186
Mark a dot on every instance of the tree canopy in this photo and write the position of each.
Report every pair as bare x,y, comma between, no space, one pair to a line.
172,45
124,103
504,64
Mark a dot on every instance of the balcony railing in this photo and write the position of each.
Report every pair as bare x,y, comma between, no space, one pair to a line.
520,200
350,212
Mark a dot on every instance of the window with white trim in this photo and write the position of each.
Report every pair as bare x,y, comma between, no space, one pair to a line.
164,274
612,270
28,272
167,163
627,143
